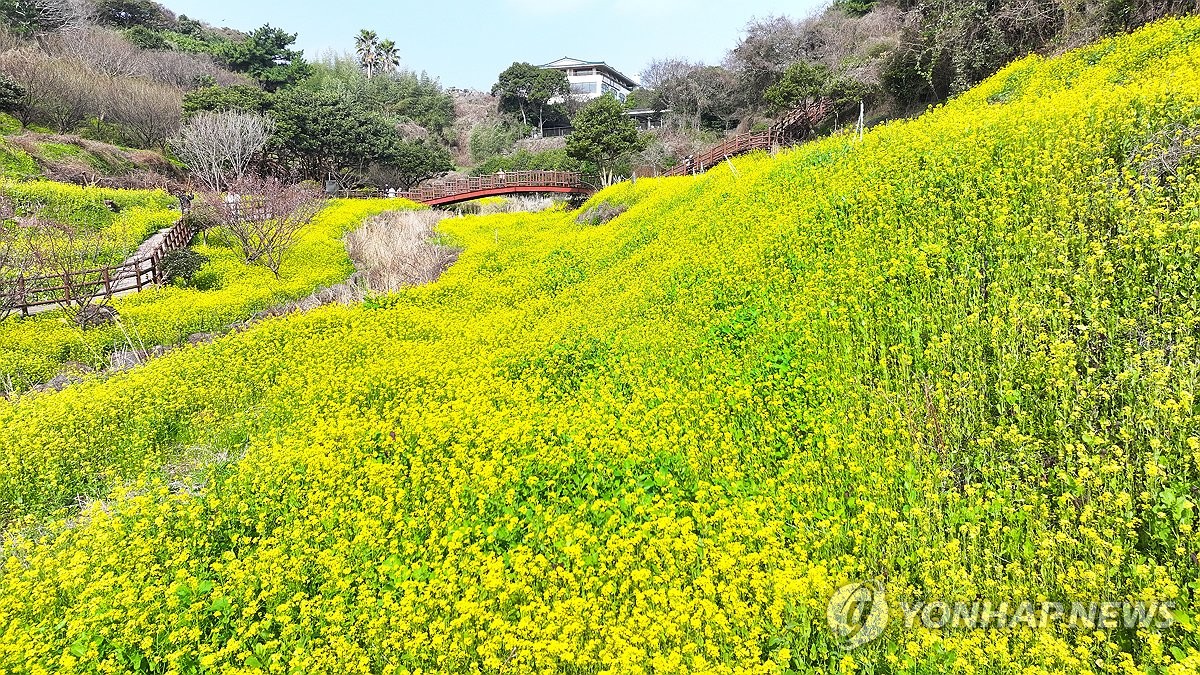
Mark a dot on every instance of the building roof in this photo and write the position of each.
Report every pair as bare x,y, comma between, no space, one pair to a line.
568,62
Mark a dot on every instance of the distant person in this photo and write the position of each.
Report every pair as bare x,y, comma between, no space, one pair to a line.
689,163
500,177
185,202
391,192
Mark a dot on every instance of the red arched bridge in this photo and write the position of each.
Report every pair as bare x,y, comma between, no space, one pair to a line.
447,191
794,127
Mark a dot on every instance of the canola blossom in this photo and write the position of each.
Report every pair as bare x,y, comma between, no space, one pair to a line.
957,357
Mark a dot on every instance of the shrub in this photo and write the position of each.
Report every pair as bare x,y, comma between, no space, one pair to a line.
182,265
11,94
600,213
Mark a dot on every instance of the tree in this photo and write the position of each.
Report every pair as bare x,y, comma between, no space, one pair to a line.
65,260
266,216
366,45
218,99
265,56
604,136
11,94
400,96
644,98
388,56
150,112
146,38
769,46
527,89
318,133
806,83
130,13
40,19
404,164
220,147
692,92
104,51
14,260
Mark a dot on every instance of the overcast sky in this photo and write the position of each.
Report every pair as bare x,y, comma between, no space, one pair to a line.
466,43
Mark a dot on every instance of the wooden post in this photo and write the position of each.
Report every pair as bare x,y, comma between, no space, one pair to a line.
137,273
107,283
21,296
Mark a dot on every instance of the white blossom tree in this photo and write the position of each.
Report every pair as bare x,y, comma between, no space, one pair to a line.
220,147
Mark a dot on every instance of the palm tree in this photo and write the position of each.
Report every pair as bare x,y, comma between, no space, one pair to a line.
388,56
366,44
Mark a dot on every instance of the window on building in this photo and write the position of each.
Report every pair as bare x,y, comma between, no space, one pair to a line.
583,87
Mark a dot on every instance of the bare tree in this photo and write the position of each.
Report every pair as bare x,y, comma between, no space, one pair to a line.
50,87
104,51
221,147
14,264
150,111
186,71
61,254
265,216
691,91
73,94
27,68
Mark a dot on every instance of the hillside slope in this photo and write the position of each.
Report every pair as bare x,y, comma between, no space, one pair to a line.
958,356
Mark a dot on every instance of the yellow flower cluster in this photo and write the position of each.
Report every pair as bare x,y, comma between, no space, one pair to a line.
958,356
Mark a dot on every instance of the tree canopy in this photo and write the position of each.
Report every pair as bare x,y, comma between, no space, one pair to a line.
526,89
267,57
604,136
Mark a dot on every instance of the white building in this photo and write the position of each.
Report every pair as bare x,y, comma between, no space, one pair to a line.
592,79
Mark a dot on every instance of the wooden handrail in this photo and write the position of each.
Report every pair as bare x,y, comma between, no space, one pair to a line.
443,188
782,132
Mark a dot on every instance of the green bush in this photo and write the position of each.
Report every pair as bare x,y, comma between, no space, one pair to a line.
182,265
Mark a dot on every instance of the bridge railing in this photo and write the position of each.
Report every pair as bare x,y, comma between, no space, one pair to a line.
437,189
787,129
730,147
440,189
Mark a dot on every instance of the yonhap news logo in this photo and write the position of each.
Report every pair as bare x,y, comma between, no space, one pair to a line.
858,614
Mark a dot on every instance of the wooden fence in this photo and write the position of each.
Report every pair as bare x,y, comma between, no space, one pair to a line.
27,295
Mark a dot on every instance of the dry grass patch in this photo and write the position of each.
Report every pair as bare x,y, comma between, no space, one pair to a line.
400,248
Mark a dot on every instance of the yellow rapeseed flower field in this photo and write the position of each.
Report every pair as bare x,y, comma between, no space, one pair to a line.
958,357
